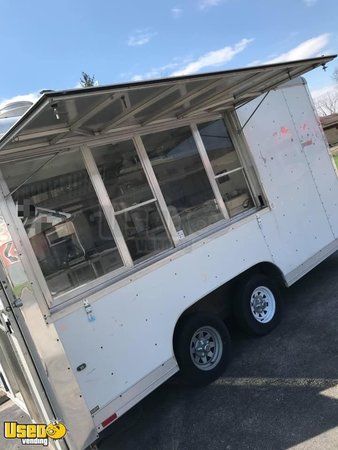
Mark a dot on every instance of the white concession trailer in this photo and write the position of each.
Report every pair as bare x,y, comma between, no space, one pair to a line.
136,217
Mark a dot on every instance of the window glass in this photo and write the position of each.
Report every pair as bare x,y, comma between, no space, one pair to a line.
143,231
235,192
223,158
127,186
219,147
183,181
63,219
122,174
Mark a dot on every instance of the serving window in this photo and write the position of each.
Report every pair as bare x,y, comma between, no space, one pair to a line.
227,168
135,207
182,178
63,219
92,211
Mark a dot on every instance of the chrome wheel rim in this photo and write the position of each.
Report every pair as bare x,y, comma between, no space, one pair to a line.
263,304
206,348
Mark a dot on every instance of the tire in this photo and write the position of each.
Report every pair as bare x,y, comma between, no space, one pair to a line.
253,316
198,366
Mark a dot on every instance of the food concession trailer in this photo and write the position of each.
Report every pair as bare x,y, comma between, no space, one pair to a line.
136,217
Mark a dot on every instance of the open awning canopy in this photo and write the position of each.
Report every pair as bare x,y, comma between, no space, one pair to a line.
77,116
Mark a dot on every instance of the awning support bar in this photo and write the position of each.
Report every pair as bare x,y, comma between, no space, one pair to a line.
252,114
31,175
139,107
197,92
219,97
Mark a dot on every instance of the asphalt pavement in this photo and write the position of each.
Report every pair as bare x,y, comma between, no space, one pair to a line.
279,392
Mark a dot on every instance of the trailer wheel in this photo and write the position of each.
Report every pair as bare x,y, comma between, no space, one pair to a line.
258,306
202,348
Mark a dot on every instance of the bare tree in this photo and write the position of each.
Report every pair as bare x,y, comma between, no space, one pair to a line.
87,80
327,103
335,75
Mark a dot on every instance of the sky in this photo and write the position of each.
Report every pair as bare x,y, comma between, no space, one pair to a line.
46,45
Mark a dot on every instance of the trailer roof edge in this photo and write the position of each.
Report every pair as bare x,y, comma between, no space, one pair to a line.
63,116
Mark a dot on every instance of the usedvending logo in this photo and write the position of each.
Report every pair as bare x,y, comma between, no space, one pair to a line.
34,434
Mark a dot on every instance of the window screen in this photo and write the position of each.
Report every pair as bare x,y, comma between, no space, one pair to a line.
63,220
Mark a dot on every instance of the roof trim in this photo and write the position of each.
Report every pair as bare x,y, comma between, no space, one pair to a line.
123,86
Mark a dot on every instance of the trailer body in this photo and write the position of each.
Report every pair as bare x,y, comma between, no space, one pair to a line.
91,353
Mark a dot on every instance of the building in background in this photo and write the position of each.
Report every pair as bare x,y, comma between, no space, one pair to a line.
330,127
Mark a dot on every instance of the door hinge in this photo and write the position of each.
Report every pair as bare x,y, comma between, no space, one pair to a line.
259,221
89,310
17,303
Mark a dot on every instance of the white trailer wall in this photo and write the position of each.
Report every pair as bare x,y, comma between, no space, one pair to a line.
285,138
132,335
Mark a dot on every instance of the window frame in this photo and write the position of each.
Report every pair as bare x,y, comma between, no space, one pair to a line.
209,170
241,148
111,218
29,258
246,163
250,170
106,205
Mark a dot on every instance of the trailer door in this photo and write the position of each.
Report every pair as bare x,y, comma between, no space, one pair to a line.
12,376
8,363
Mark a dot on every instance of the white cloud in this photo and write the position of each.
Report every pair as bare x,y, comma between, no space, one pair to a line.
137,77
32,97
176,12
326,90
254,63
205,4
307,49
310,2
213,59
186,66
140,37
160,71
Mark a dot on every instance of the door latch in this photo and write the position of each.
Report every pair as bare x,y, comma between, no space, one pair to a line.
9,327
